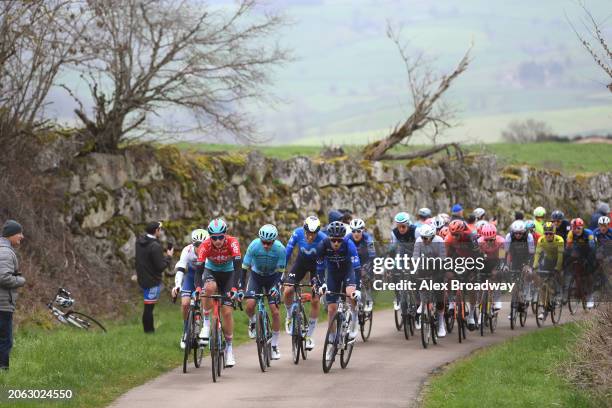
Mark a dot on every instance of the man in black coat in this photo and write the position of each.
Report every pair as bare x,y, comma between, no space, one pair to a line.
151,261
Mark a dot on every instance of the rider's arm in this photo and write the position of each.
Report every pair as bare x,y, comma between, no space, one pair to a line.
290,245
246,266
281,263
352,252
538,253
591,239
181,267
321,262
559,254
199,269
371,248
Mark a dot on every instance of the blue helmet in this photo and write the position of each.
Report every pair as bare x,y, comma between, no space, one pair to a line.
402,218
217,226
268,232
334,215
529,224
336,230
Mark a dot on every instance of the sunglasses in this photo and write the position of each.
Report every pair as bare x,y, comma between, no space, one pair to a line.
357,231
426,238
217,237
336,240
549,233
267,243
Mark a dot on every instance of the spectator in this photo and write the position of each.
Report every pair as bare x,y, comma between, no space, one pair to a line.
10,280
457,212
518,215
150,264
602,209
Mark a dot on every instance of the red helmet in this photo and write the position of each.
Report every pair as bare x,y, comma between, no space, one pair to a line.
577,223
443,232
488,231
457,226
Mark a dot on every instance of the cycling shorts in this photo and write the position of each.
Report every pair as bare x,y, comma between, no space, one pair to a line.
262,284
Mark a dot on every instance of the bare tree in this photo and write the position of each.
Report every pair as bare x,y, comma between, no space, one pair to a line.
36,39
148,55
527,131
600,50
428,110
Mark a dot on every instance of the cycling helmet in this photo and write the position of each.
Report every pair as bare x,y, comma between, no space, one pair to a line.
443,232
549,227
479,213
480,224
529,224
336,230
457,226
603,220
518,226
402,218
424,212
198,235
577,222
64,301
539,212
312,224
217,226
438,222
268,232
357,224
427,231
603,208
445,217
489,231
557,215
334,215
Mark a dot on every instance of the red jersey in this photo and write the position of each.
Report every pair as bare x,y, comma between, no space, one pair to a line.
465,246
491,248
219,259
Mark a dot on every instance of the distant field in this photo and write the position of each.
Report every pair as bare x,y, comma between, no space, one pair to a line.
565,157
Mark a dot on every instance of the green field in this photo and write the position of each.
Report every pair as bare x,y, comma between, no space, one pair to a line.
98,368
521,372
564,157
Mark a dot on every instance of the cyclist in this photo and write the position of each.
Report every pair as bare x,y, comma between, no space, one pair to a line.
337,265
539,213
343,216
365,249
306,239
603,209
462,243
530,226
580,245
490,245
603,238
520,248
265,259
430,245
562,226
403,237
478,227
457,212
185,275
445,217
479,213
220,266
422,215
549,253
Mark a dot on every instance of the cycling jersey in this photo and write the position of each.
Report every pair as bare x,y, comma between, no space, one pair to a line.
552,250
491,248
184,277
583,243
563,229
306,250
435,249
409,236
604,242
539,226
365,248
219,259
342,266
265,262
466,246
519,251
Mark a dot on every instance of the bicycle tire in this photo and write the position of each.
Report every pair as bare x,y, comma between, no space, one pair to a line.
406,323
482,307
573,296
460,320
296,340
425,330
327,365
198,351
304,333
540,307
347,350
557,310
513,312
366,327
399,320
83,321
221,345
434,324
212,341
188,343
261,343
449,319
268,333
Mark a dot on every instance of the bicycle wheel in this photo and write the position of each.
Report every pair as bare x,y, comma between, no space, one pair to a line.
304,333
492,319
482,309
198,351
82,321
347,350
296,336
365,325
268,333
556,307
574,297
449,319
333,329
460,321
540,309
188,341
399,320
261,342
425,327
214,355
220,351
513,311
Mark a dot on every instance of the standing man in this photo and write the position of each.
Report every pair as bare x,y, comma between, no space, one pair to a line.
10,280
150,264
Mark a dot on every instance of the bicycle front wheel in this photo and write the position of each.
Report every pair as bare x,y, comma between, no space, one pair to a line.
188,341
261,342
82,321
365,325
296,338
304,332
347,350
214,354
331,344
198,351
425,329
574,297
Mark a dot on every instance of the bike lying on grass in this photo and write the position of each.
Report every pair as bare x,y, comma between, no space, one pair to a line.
64,300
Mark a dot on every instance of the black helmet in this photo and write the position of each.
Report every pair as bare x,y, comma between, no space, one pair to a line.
336,230
557,215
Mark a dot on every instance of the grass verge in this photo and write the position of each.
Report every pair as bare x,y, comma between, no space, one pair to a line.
521,372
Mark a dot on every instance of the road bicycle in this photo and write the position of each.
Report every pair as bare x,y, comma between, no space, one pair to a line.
337,336
547,300
299,322
194,325
216,341
405,316
365,317
518,304
487,316
577,287
263,330
64,300
428,317
460,315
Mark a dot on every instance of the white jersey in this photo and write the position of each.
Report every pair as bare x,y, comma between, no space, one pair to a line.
436,249
185,262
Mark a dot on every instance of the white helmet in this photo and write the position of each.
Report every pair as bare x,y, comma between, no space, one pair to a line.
312,224
198,235
603,220
518,226
427,231
424,212
357,224
479,212
445,217
438,222
480,224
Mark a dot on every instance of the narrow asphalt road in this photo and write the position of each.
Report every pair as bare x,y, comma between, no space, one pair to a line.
387,371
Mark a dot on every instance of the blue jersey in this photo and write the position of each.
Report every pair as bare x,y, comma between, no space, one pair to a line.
365,248
265,262
305,249
337,262
601,238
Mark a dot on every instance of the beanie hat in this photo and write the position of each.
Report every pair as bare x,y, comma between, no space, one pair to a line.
457,208
10,228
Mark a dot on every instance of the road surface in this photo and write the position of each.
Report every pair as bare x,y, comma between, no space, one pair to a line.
387,371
